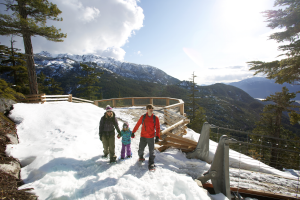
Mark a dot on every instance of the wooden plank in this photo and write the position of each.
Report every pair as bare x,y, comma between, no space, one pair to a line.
254,192
56,96
174,116
171,120
187,150
174,105
75,101
179,146
162,142
173,126
169,112
182,139
85,100
183,133
60,99
162,148
177,131
179,141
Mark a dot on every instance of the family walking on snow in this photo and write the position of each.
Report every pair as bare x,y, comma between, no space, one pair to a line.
150,134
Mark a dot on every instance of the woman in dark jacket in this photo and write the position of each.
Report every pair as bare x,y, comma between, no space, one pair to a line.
108,123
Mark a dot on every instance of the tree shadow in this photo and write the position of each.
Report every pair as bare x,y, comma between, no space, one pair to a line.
82,168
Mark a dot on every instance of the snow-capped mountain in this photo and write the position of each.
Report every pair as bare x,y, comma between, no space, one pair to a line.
122,68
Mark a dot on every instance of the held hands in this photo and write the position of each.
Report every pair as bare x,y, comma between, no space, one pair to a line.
132,135
118,136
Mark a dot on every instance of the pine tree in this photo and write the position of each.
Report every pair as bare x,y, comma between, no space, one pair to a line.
7,92
14,65
197,114
287,18
29,19
87,82
199,119
286,70
191,104
270,122
48,85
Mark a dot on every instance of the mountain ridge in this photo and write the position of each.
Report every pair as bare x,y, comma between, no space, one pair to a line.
129,70
261,87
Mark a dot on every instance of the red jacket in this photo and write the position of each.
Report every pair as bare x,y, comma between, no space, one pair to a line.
148,131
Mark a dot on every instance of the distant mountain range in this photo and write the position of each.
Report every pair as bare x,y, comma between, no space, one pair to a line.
129,70
225,105
260,87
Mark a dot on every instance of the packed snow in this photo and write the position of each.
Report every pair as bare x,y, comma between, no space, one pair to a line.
60,151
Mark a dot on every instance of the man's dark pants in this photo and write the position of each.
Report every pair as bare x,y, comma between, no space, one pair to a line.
143,144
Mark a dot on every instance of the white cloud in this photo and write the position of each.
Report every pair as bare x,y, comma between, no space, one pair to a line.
114,52
139,53
101,27
90,14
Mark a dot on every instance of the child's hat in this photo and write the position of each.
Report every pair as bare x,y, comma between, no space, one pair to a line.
125,125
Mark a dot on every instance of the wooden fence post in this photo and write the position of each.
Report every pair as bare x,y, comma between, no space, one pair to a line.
132,101
151,101
165,113
96,103
70,98
43,98
114,103
182,109
167,102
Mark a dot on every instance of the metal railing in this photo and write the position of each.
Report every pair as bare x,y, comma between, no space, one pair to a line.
253,155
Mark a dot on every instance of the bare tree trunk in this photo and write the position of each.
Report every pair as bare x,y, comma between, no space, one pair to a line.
275,143
28,52
13,60
30,64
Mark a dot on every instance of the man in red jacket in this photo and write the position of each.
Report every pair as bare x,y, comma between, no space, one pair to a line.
149,123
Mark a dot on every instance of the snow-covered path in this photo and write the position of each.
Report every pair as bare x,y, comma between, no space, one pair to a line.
60,145
61,154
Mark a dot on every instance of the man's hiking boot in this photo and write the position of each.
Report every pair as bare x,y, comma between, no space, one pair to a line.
151,167
104,156
113,159
141,159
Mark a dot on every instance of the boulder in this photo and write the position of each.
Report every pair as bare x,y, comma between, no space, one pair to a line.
6,105
13,168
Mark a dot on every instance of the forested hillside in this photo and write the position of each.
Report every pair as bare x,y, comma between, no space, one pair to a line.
224,105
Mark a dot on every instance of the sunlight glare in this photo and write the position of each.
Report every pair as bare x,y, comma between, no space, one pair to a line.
241,14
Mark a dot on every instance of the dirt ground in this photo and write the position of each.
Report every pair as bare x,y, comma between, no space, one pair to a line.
8,183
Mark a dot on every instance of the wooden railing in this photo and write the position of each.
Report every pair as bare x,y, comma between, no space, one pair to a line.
174,116
42,98
143,101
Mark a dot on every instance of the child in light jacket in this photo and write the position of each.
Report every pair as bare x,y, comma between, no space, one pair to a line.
126,135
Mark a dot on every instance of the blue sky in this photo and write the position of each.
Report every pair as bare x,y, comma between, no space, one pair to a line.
214,39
